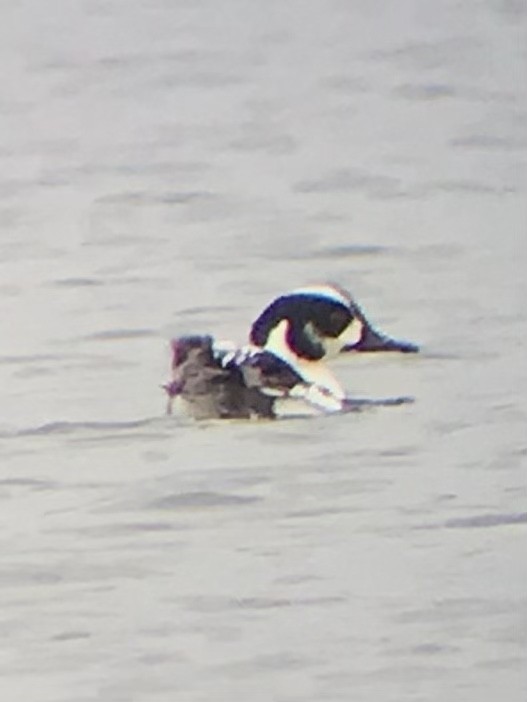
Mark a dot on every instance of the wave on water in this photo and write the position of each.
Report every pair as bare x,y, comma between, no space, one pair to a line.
479,521
66,428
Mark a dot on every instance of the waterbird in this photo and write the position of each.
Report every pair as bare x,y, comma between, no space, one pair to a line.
283,369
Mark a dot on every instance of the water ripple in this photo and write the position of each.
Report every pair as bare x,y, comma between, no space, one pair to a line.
479,521
191,500
486,520
65,427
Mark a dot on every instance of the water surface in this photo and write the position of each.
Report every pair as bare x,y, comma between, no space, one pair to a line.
170,167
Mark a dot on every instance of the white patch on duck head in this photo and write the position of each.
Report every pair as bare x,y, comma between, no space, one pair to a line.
351,335
313,372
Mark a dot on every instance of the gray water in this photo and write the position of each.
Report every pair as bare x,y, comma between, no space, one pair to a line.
170,166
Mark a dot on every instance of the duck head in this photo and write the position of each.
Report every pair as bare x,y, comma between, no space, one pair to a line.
319,322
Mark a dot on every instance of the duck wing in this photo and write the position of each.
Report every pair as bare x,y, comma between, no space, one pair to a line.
269,374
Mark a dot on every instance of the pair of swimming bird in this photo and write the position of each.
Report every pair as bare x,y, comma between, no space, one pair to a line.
282,371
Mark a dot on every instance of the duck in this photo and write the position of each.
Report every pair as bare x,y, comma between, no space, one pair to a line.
283,370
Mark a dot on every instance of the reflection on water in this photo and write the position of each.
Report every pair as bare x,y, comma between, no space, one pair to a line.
170,167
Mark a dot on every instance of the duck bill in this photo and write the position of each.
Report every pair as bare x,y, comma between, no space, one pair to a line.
372,340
